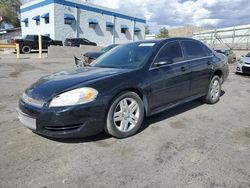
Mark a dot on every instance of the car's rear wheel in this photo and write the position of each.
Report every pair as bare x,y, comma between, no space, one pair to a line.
125,115
214,91
26,49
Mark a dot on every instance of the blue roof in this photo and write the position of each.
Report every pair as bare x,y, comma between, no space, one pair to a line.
93,21
81,6
137,29
36,17
46,15
25,20
69,17
109,24
124,27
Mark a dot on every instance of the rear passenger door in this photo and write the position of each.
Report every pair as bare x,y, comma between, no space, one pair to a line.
200,64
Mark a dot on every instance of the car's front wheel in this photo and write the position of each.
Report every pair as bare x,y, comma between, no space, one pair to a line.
214,91
125,115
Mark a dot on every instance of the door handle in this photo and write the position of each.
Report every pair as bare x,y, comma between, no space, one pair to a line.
183,69
209,62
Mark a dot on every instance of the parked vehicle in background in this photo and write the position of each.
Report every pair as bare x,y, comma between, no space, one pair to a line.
227,52
30,42
243,64
91,56
121,87
76,42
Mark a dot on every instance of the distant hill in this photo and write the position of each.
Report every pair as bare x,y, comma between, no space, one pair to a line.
9,12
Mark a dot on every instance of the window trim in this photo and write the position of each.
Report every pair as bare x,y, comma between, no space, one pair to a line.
184,61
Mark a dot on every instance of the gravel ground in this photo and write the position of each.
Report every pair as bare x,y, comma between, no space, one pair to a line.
193,145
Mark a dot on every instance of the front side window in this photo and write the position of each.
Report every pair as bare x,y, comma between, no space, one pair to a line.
248,54
45,38
170,53
193,49
46,20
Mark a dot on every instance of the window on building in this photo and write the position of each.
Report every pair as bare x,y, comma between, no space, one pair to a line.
46,20
123,30
68,22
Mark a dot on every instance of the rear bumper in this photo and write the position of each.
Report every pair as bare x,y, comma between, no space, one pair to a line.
67,122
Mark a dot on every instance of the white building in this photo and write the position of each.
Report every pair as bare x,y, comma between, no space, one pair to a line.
61,19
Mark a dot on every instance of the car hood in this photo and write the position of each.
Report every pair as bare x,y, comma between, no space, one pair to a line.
49,86
93,55
245,59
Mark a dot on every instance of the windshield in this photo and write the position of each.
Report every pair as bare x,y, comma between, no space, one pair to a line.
129,56
221,51
108,48
248,54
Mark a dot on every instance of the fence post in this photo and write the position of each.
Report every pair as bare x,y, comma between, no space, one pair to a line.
17,51
40,45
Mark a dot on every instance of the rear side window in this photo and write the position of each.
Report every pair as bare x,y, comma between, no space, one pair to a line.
193,50
171,52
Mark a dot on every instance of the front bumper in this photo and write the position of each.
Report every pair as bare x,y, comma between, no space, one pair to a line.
64,122
243,68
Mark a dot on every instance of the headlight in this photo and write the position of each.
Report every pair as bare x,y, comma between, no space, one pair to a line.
74,97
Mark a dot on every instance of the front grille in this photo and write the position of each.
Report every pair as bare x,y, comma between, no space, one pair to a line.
246,69
63,128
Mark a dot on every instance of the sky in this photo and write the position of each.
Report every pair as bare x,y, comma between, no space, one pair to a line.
177,13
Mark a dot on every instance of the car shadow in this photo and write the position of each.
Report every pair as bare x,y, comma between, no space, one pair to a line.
243,74
147,122
172,112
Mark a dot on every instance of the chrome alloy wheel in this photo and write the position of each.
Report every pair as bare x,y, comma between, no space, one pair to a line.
215,90
126,114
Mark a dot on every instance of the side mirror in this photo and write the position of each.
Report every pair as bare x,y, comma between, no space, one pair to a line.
242,56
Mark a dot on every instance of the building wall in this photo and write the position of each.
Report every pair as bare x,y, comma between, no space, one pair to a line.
80,27
43,28
186,31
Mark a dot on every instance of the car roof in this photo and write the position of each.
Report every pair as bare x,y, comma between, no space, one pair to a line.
165,40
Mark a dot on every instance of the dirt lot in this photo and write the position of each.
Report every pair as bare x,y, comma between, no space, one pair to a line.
193,145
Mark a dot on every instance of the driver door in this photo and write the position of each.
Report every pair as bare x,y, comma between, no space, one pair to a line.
169,77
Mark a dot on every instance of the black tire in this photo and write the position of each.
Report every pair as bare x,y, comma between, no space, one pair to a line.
26,49
111,128
209,97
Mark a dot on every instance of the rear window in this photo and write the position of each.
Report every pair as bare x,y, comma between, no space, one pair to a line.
193,50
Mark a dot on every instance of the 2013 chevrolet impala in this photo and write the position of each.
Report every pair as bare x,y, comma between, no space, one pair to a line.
123,86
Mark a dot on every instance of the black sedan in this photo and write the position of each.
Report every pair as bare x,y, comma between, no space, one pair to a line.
77,42
91,56
123,86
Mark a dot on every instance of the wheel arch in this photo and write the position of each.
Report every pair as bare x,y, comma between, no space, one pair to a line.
138,91
219,73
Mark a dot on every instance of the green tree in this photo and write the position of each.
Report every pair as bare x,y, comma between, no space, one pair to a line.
9,11
147,31
163,33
